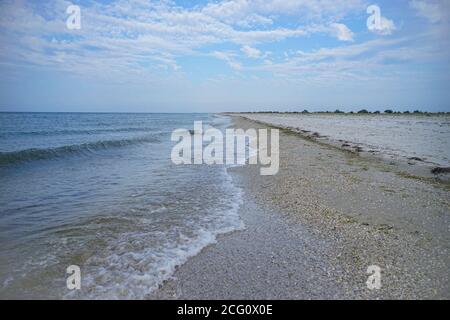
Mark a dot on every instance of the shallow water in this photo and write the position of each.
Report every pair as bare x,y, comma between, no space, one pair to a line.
398,137
100,191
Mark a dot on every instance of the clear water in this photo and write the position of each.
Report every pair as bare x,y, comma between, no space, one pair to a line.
100,191
397,137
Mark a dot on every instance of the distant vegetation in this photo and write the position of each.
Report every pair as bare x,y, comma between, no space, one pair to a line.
362,111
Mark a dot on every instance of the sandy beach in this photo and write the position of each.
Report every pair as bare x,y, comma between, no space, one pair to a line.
312,230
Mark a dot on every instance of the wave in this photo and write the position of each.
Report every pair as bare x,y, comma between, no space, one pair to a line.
74,131
142,258
9,158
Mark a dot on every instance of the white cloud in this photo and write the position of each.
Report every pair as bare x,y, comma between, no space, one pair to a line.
432,11
341,31
131,34
146,37
233,11
254,20
385,28
228,57
251,52
362,61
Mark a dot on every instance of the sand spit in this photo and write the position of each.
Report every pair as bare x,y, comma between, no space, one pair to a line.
313,229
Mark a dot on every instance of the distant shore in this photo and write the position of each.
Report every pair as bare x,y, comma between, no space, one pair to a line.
423,154
339,112
313,229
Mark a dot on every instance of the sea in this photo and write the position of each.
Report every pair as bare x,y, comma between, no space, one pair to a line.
99,191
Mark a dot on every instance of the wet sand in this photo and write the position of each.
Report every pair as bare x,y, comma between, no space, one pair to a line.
313,229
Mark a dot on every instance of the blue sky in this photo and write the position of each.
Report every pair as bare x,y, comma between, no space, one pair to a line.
230,55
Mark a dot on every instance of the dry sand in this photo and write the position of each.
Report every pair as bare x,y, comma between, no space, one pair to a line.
314,228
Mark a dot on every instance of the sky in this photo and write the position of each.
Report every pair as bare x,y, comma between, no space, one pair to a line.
229,55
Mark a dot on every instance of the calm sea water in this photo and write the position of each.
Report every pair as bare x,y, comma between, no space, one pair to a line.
100,191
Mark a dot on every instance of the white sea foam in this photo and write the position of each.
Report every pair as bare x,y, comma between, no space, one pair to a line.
137,263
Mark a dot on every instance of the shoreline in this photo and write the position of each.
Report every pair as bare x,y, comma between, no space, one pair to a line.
411,167
313,229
